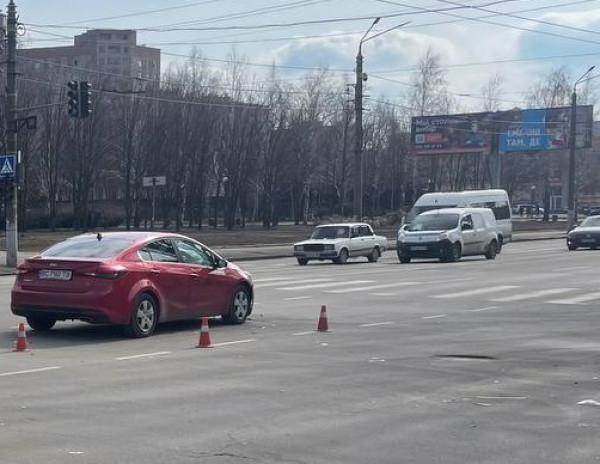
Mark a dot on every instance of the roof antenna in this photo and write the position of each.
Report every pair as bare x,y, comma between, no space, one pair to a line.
99,236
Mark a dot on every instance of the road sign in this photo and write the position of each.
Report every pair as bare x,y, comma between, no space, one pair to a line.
8,166
154,181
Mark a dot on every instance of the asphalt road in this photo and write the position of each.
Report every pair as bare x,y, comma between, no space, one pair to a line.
472,362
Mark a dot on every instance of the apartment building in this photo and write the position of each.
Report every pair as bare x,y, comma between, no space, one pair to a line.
111,54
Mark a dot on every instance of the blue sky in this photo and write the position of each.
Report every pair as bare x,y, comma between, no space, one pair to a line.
522,40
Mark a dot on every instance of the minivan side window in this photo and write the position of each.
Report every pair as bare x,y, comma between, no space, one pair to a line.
501,209
466,223
477,221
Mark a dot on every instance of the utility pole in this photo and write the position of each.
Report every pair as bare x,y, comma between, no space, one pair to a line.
358,127
572,204
358,139
12,246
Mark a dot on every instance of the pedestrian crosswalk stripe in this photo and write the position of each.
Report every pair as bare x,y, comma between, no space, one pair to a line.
304,281
577,299
477,291
367,288
526,296
329,284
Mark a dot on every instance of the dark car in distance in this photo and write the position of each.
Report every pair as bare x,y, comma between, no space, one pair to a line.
132,279
585,235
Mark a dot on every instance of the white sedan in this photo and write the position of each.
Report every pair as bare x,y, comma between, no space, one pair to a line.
338,242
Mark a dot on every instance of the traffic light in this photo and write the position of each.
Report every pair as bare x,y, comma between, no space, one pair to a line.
73,98
85,96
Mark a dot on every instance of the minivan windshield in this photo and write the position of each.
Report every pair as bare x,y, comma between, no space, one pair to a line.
431,222
416,210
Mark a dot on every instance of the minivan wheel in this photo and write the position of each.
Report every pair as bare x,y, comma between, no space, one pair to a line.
455,253
302,261
404,259
490,252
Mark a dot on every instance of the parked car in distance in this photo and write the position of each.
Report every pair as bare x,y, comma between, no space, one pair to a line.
338,242
133,279
585,235
448,234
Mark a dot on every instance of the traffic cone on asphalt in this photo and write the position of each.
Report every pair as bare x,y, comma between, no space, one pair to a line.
323,324
204,341
21,344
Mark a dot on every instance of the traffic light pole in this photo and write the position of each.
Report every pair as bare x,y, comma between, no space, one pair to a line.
12,245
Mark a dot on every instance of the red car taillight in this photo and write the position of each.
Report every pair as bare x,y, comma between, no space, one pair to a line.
25,268
106,272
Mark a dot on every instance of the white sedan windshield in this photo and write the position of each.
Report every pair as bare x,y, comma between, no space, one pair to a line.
331,232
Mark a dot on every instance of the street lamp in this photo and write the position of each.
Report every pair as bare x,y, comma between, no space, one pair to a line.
358,140
572,144
358,108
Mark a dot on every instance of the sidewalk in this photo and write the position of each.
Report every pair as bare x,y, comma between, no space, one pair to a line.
253,252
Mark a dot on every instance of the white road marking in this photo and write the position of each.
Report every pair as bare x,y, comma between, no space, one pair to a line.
373,287
477,291
249,340
308,297
308,332
477,310
272,279
526,296
571,269
306,281
577,299
374,324
145,355
435,317
30,371
329,284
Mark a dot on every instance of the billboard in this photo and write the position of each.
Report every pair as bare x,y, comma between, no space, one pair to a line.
544,129
462,133
511,131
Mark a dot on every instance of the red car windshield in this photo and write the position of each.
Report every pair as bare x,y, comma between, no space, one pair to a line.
88,248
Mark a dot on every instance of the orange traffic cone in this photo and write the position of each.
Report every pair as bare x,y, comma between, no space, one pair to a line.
204,341
21,344
323,324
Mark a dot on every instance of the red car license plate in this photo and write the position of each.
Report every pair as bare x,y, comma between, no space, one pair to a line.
55,274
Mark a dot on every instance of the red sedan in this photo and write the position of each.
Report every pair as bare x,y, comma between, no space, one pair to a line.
134,279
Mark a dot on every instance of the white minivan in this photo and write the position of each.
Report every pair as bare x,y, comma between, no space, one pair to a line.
495,199
448,234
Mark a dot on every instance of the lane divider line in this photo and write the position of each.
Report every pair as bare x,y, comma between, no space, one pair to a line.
249,340
376,324
145,355
30,371
478,310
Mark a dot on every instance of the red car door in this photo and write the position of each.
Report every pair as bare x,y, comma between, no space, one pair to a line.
210,287
170,277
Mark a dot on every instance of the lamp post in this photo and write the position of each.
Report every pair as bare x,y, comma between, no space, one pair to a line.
358,108
572,146
358,140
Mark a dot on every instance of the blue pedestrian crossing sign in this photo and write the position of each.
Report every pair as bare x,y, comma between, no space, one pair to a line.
8,165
